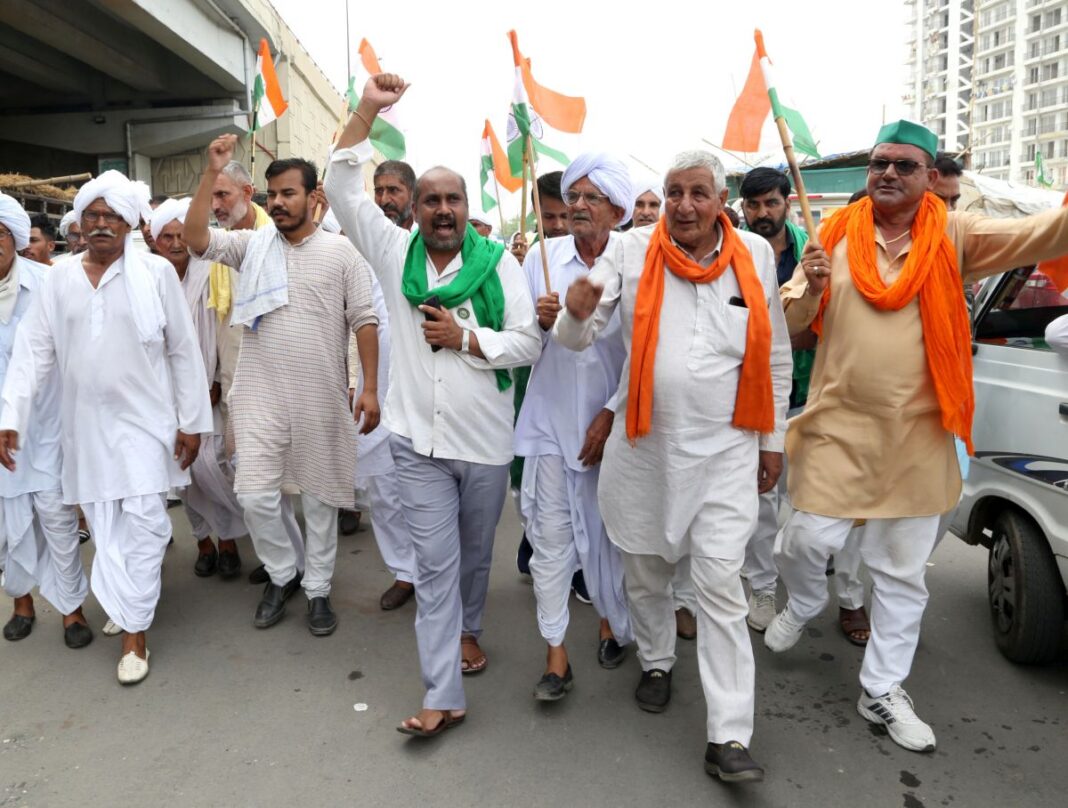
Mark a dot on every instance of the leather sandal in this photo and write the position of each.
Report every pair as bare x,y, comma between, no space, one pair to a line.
853,621
477,663
448,721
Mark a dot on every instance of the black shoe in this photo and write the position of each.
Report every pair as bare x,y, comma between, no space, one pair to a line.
578,584
273,603
731,763
18,627
552,687
259,575
396,596
77,635
321,618
83,536
229,564
610,653
348,522
522,559
207,563
654,690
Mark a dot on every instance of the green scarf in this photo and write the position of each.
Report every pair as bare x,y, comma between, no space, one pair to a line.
477,280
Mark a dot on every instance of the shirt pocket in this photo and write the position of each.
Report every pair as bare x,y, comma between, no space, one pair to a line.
731,327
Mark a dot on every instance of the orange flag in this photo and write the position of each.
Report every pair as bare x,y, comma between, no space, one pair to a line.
564,112
750,110
1056,269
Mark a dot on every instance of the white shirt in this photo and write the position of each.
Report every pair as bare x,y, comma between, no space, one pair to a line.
567,388
446,402
1057,334
39,460
122,401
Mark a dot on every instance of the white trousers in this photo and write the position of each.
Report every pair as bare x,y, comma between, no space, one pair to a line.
131,536
896,553
390,526
682,590
724,650
210,502
39,541
278,542
566,532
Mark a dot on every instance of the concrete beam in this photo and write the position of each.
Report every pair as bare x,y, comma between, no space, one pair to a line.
41,65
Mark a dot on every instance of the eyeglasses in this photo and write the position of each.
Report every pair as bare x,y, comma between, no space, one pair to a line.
904,168
6,234
110,217
593,200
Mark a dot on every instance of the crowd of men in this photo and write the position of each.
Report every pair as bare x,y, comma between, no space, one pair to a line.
380,349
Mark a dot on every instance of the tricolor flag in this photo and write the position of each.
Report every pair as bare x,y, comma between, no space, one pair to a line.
386,134
534,106
1041,177
1056,269
267,100
759,97
495,162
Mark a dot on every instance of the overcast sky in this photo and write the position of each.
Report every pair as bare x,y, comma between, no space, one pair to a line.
658,77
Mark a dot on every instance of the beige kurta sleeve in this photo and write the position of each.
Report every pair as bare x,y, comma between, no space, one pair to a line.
799,306
987,246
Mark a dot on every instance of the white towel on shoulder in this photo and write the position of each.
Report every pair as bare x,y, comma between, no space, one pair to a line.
263,280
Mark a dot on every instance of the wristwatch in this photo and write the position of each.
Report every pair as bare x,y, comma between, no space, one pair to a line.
465,342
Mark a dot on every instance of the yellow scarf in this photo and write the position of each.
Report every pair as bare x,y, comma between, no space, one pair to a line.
220,295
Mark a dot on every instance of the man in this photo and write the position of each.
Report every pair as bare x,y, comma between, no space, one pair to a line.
134,400
700,437
947,186
563,424
650,197
42,240
890,388
483,224
302,291
394,184
765,196
449,405
210,502
553,213
71,233
38,533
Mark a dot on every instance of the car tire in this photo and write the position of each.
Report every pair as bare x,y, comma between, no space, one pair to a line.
1025,591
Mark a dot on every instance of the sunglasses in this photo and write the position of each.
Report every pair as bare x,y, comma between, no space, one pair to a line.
903,168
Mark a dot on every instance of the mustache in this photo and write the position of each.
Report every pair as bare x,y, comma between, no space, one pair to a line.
279,209
102,231
444,220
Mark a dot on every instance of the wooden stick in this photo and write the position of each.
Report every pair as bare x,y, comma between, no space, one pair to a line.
795,172
537,217
523,199
52,180
497,195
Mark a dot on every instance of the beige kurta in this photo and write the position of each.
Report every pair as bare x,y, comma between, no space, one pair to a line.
870,443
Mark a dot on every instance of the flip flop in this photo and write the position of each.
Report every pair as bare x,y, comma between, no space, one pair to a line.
852,621
448,721
479,663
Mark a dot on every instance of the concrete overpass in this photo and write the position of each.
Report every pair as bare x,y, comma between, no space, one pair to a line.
144,85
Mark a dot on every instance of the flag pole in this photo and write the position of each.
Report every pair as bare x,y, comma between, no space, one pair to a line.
523,198
497,196
795,172
537,216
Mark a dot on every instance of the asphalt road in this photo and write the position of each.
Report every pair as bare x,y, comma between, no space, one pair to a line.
232,716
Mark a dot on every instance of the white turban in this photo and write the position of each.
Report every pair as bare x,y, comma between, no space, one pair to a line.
649,185
609,174
166,213
15,219
127,198
69,218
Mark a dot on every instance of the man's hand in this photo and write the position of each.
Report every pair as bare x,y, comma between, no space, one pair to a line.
441,329
519,247
817,267
215,394
221,152
805,341
582,298
9,444
366,404
352,397
596,436
383,90
186,449
548,307
768,471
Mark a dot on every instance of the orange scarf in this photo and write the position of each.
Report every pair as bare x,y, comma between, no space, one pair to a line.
930,271
754,408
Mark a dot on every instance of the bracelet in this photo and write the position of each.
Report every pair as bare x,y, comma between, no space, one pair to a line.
356,112
465,342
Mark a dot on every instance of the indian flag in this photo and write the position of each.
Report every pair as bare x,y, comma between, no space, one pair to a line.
1056,269
267,100
759,97
494,163
386,134
534,106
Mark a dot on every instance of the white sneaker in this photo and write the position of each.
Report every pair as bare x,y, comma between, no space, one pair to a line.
894,711
133,669
783,632
111,629
761,609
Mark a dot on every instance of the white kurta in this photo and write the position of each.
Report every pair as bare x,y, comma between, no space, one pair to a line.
651,493
122,401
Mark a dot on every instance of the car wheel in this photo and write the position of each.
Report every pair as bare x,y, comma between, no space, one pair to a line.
1026,593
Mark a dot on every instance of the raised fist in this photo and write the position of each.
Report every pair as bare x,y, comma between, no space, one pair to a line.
221,151
582,298
384,90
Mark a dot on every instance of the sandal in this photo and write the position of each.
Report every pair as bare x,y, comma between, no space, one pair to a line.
475,663
449,719
854,622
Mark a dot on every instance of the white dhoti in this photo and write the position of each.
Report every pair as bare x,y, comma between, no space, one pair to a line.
896,553
39,537
131,537
566,532
210,502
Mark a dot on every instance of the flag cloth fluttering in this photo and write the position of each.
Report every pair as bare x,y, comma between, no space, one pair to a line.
1056,269
759,97
267,101
1041,177
536,108
494,162
386,134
